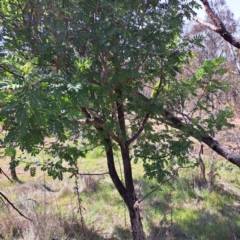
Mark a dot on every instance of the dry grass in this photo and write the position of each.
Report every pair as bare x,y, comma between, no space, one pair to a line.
184,209
53,211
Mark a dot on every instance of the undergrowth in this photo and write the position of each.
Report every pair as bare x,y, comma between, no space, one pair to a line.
183,208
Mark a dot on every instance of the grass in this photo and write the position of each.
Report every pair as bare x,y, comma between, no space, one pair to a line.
181,209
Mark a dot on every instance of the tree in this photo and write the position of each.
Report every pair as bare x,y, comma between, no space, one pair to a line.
220,38
218,26
216,46
73,67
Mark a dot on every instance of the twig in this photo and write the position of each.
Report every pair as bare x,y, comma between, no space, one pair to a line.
10,71
80,208
92,174
14,206
202,166
137,203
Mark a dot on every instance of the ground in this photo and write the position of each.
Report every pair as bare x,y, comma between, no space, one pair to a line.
184,208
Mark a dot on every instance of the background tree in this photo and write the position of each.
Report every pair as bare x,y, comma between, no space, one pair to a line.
215,46
218,25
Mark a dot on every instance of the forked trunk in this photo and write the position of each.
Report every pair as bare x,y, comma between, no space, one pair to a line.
127,192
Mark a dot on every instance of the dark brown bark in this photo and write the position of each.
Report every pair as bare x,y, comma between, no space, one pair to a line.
136,224
218,26
127,193
113,172
135,218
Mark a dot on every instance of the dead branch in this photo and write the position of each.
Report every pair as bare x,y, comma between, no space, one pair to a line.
138,202
14,206
229,155
1,171
93,174
218,26
175,122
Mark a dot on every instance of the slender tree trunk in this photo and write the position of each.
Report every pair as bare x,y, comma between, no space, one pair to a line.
135,218
134,213
13,169
126,192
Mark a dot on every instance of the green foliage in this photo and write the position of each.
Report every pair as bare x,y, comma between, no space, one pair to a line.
218,121
68,67
32,171
97,152
10,151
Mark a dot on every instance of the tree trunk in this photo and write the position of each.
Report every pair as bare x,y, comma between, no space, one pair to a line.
13,169
127,193
133,208
126,190
136,223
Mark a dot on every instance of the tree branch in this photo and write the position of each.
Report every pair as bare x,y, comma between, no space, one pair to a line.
218,26
99,122
203,22
93,174
10,71
116,138
208,140
121,118
14,206
1,171
85,112
175,122
135,136
112,169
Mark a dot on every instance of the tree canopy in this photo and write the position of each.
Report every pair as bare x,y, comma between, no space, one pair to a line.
83,67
